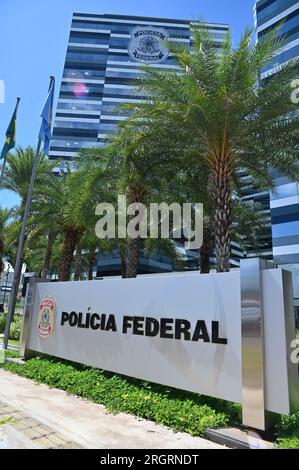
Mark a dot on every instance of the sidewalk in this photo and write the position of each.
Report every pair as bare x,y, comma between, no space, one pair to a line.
22,431
49,418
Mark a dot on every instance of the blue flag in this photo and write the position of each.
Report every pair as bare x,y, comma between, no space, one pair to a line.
46,115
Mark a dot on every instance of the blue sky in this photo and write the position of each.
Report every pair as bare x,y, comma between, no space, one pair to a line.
34,36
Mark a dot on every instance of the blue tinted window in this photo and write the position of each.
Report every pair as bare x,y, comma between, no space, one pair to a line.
90,57
290,22
285,230
79,106
77,125
107,127
286,190
273,8
283,57
84,73
88,40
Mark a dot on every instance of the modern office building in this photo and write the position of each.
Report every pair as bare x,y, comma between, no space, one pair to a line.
104,54
284,202
261,199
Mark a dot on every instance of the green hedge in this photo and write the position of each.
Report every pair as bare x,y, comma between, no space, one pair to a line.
181,411
288,431
288,443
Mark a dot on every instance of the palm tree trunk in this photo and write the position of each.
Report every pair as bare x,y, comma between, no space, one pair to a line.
137,194
78,257
91,261
205,251
123,260
133,257
48,256
221,193
71,239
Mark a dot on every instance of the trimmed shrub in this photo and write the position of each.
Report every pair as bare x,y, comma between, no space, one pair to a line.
15,328
2,322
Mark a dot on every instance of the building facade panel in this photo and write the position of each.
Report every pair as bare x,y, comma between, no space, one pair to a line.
284,201
105,54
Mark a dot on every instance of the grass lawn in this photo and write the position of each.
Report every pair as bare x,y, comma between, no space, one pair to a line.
179,410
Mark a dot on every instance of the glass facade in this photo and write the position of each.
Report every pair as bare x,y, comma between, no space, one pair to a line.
283,14
284,202
267,9
104,56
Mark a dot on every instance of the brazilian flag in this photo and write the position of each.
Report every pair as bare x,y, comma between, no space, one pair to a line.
10,140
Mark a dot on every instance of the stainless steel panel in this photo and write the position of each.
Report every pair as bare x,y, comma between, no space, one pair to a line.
27,316
290,331
253,379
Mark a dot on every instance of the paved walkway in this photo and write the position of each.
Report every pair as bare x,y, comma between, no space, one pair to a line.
50,418
21,431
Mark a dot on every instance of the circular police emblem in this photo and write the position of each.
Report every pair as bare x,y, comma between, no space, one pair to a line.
46,317
148,45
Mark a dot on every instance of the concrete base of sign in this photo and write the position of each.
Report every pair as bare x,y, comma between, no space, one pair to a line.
14,360
238,439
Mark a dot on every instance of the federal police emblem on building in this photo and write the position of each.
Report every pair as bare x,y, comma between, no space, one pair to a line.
148,45
46,317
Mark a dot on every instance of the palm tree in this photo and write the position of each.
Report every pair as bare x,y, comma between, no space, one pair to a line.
5,215
95,183
17,178
55,256
44,225
248,223
34,252
100,171
12,231
92,246
51,237
78,261
44,229
130,165
217,110
139,165
18,172
54,213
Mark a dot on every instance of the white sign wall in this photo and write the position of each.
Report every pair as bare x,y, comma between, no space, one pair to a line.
198,345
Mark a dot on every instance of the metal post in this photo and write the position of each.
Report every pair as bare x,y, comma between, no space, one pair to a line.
2,169
253,354
28,310
5,158
18,265
252,344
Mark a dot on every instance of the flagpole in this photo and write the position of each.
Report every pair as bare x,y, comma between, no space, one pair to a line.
19,258
5,158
